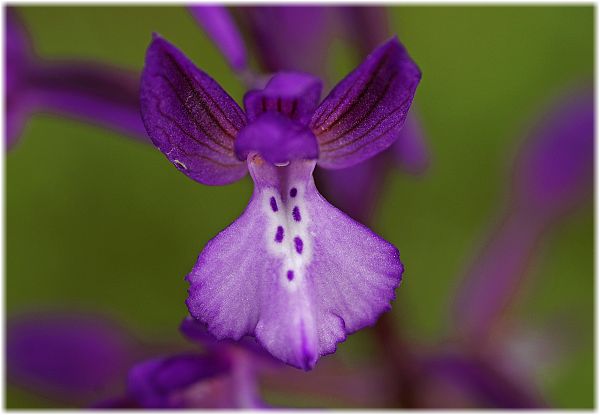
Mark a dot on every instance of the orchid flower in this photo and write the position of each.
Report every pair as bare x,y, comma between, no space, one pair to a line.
86,90
293,271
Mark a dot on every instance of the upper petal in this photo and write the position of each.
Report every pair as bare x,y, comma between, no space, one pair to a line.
221,28
277,138
293,94
189,117
292,270
365,112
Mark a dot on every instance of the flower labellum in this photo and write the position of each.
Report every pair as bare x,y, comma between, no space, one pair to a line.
292,270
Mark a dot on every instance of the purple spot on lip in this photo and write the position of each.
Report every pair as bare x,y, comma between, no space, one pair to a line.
290,275
274,204
279,234
296,214
299,244
293,192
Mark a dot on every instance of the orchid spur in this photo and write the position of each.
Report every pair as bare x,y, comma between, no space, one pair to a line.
292,270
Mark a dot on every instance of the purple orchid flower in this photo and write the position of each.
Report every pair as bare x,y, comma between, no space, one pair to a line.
293,271
89,91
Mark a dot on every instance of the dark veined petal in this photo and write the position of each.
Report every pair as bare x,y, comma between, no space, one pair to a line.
293,270
293,94
189,117
365,112
277,139
220,27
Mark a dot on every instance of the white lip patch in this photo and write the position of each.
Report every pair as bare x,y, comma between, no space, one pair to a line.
286,233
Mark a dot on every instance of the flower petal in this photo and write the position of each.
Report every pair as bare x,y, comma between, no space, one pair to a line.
365,112
293,94
277,139
220,27
292,270
189,117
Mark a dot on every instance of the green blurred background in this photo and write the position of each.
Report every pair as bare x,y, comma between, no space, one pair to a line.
97,221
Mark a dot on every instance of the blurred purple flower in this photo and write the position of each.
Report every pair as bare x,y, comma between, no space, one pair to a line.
74,358
222,377
553,174
90,91
292,270
81,358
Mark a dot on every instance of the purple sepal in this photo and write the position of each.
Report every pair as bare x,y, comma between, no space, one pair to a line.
70,356
277,139
293,94
293,271
189,117
220,27
166,382
364,113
